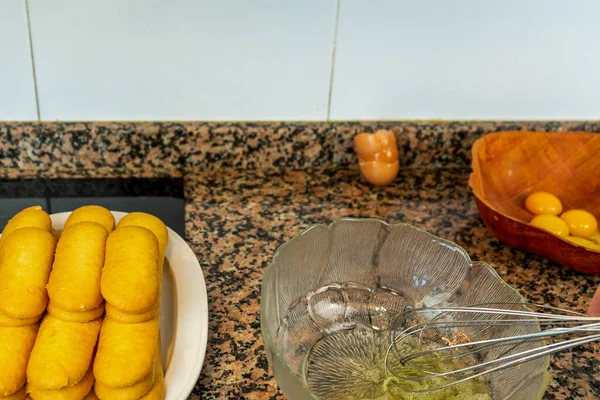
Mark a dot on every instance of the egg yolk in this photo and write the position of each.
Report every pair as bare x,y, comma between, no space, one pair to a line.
543,203
551,223
583,242
581,223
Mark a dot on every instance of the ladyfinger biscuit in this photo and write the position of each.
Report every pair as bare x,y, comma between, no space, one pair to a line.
74,316
152,223
74,283
157,392
132,392
15,348
32,217
92,214
62,353
159,229
7,320
131,280
18,395
126,352
130,318
74,392
25,261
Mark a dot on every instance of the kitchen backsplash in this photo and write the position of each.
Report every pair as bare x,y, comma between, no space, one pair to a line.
298,60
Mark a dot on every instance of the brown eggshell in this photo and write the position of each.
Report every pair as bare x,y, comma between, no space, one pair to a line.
508,166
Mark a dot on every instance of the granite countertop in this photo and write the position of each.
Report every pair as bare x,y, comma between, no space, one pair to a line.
236,220
237,217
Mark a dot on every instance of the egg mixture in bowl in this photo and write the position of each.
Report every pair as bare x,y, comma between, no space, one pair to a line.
332,298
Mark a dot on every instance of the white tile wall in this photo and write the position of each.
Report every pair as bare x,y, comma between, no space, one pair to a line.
481,59
17,93
182,59
270,59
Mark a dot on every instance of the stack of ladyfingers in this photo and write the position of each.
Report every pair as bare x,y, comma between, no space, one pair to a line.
60,366
128,364
26,254
101,288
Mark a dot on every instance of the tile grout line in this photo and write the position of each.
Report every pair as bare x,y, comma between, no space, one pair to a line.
35,88
335,37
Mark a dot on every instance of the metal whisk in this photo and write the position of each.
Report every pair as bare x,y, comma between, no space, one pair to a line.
441,347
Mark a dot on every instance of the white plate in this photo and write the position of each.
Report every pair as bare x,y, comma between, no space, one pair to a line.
183,314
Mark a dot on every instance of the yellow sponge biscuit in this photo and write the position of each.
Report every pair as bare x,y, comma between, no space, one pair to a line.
25,261
75,316
33,217
75,392
157,392
7,320
92,214
152,223
74,283
126,352
15,348
151,387
62,353
130,279
132,392
18,395
129,318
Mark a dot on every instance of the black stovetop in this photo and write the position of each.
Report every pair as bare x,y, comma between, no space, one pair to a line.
163,197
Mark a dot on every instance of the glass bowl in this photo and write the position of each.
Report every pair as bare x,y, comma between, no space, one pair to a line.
332,295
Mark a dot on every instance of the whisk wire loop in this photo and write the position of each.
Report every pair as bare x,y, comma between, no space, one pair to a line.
457,344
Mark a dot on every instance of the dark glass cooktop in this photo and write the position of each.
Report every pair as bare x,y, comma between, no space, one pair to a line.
163,197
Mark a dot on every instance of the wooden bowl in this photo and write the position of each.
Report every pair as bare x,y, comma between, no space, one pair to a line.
508,166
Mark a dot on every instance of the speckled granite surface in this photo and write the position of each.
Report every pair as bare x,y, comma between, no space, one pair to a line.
237,217
247,145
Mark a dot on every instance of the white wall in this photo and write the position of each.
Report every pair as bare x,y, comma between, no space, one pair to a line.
272,59
17,96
